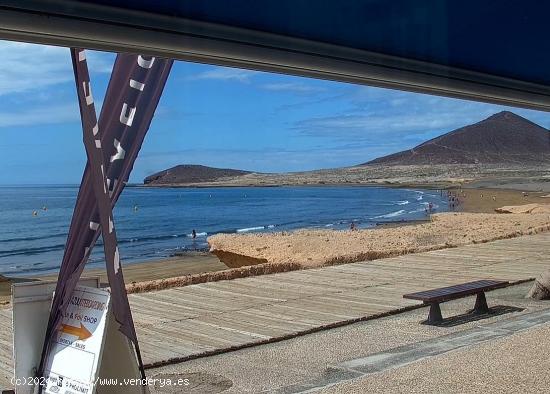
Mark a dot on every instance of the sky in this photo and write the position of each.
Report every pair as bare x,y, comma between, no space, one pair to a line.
215,116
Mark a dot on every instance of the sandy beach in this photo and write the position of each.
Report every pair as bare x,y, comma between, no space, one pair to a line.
191,263
473,221
312,248
486,200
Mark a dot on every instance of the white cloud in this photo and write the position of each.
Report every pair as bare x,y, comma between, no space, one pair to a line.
100,62
31,115
226,74
373,123
382,116
33,71
25,67
292,87
33,68
41,114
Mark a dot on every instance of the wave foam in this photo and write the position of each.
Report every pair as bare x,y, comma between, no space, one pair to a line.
391,214
245,230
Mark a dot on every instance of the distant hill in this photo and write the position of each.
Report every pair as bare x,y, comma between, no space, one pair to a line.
503,138
190,173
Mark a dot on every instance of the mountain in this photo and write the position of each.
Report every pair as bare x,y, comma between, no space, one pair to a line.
503,138
190,173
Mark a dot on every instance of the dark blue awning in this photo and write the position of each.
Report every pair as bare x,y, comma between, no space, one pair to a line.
492,50
503,37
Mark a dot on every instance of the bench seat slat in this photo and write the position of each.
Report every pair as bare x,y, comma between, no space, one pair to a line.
456,291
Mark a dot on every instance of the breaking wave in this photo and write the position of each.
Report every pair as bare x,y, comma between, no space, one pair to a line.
391,214
249,229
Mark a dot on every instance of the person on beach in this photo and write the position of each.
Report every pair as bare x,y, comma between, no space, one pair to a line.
194,234
352,226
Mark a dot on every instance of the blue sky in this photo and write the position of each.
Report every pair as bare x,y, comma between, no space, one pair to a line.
214,116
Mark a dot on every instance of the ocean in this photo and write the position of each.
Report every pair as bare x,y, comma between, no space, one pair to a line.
154,223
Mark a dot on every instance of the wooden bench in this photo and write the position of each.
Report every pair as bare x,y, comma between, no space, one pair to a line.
436,296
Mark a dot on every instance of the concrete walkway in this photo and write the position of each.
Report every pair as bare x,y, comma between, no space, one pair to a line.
398,357
182,323
515,363
395,345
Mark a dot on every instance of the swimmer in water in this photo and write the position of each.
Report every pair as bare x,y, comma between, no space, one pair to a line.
135,208
34,213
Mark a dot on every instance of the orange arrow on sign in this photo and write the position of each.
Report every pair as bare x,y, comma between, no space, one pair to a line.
81,332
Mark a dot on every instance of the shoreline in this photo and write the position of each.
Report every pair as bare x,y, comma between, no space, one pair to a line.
205,185
182,269
187,263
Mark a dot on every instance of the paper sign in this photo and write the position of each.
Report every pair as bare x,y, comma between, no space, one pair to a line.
73,361
31,310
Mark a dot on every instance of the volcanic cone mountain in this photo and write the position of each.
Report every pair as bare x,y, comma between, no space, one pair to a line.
503,138
191,173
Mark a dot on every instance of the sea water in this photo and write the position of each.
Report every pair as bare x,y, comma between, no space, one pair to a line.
154,223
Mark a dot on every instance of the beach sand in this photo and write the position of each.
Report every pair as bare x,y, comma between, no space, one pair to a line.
313,248
481,200
190,263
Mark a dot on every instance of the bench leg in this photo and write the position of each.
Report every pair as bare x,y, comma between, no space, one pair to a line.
434,316
481,304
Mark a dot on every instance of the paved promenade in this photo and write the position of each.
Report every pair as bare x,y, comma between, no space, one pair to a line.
179,323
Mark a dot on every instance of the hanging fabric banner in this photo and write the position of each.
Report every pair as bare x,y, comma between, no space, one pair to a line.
92,143
132,96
